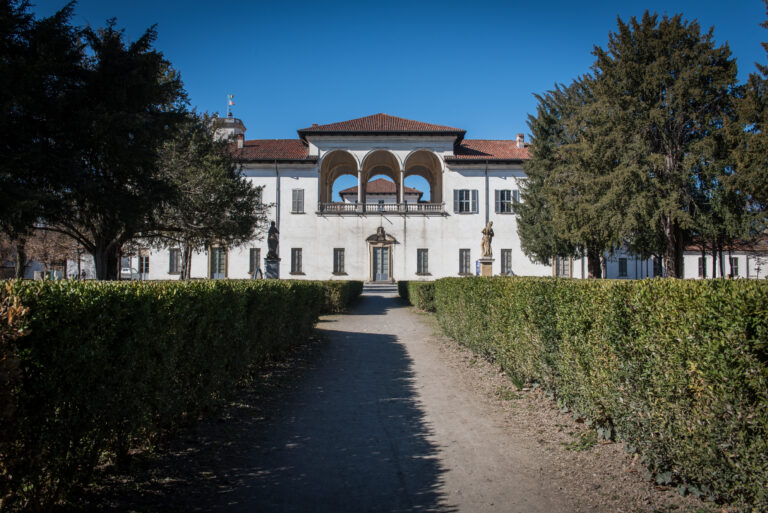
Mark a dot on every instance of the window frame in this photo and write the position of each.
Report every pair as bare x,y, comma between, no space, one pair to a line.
296,261
623,262
465,262
143,267
223,263
253,263
422,261
174,264
465,201
297,201
506,261
563,267
338,261
734,269
503,201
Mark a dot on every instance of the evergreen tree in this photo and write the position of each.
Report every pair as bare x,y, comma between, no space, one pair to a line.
569,182
666,88
751,139
213,203
129,105
40,74
539,239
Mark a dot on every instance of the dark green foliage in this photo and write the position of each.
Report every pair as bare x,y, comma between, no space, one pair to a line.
420,294
667,91
677,370
213,204
106,366
339,294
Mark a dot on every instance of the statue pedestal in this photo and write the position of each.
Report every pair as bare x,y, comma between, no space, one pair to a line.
486,266
272,268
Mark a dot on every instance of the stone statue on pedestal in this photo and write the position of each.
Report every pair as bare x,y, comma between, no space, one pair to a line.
272,242
487,236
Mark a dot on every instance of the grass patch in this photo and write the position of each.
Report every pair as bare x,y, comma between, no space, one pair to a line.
584,442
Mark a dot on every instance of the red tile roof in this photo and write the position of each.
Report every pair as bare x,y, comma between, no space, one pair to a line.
274,149
381,124
381,186
485,149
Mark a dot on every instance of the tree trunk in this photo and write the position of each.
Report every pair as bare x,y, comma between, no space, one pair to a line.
21,258
703,260
730,261
186,261
106,260
722,264
714,258
594,266
673,250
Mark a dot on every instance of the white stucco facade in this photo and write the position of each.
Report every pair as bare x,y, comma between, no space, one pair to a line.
373,146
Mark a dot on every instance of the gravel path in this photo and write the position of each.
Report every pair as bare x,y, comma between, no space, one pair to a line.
381,424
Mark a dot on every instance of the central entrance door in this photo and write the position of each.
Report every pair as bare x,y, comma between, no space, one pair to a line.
381,263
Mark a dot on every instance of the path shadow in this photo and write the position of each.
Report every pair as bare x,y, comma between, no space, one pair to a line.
353,439
375,304
349,436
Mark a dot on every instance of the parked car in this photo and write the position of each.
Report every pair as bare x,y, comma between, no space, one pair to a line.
129,273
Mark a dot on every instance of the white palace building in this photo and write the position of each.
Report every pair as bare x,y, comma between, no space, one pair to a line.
379,229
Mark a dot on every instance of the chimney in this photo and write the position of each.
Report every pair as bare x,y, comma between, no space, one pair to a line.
240,140
521,140
314,125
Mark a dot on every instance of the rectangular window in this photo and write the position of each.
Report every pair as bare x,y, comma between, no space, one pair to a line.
218,263
504,200
622,267
296,261
422,261
516,195
297,201
338,260
563,267
143,265
506,261
465,201
254,258
702,267
174,261
464,261
734,267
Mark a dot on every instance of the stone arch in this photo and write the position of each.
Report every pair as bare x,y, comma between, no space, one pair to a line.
382,162
334,164
428,165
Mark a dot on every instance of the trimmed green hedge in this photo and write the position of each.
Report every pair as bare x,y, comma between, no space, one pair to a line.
676,369
101,367
420,294
339,294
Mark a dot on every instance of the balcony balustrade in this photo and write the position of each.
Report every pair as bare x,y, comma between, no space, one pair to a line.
381,208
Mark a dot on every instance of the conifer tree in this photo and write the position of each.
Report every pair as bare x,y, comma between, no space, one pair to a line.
751,138
666,88
539,238
129,105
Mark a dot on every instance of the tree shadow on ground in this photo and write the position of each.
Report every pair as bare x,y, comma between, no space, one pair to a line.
350,435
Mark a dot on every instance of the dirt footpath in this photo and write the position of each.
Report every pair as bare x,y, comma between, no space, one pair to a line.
385,423
385,415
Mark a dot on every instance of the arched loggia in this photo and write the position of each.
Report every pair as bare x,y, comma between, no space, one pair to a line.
426,164
382,162
335,163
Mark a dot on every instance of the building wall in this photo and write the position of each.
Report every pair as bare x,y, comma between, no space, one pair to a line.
750,265
318,234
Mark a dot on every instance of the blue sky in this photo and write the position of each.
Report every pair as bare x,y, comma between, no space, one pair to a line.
473,65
